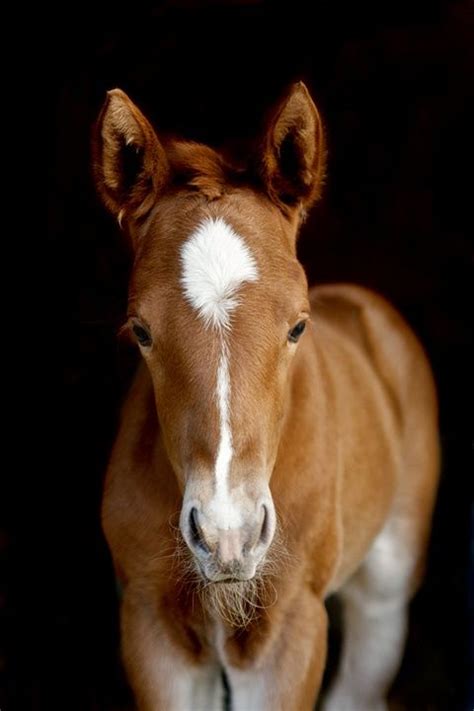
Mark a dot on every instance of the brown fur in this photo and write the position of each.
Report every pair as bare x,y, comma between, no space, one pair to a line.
347,425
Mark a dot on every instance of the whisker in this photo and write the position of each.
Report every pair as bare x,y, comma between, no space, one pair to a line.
236,603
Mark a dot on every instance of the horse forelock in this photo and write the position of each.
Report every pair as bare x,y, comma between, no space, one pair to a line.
202,168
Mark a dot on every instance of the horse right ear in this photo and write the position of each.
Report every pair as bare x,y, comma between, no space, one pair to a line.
129,163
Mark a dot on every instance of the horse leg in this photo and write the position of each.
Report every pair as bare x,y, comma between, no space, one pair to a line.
375,602
162,677
290,676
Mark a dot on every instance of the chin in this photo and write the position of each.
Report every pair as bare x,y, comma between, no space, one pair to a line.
235,600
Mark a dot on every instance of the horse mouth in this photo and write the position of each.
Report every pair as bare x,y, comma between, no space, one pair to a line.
229,580
217,577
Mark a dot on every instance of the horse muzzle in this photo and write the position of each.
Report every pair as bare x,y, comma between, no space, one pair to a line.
227,552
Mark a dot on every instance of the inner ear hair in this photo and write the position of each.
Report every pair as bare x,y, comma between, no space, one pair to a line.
130,164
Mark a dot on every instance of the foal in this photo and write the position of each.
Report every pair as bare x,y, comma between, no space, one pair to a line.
276,445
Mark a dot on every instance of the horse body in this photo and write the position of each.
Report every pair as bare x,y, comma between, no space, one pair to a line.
327,452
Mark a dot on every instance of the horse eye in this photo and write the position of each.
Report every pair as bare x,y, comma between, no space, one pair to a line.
296,332
142,334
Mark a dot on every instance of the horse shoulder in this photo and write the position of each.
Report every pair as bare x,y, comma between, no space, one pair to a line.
387,414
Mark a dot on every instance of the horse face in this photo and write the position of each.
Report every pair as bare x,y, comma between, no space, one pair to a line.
218,303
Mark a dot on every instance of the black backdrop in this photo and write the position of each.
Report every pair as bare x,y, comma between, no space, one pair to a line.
393,85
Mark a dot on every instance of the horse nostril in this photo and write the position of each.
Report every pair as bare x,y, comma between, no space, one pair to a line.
265,530
197,537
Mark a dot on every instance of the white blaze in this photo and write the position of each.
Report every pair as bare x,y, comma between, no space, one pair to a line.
216,262
225,451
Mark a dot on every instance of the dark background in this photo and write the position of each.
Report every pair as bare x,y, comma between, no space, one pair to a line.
393,84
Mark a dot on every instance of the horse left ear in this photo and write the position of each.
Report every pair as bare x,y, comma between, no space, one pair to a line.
129,162
293,157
